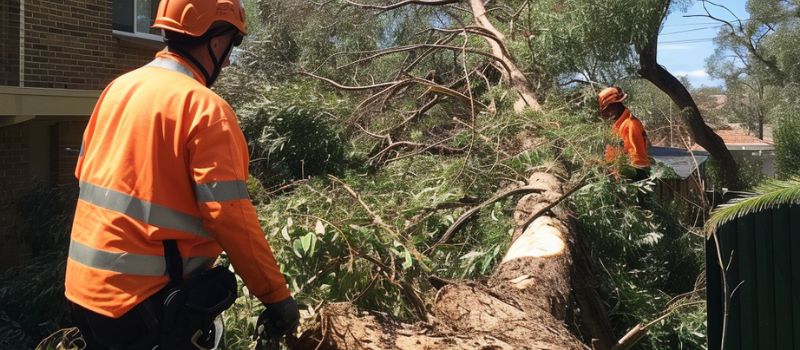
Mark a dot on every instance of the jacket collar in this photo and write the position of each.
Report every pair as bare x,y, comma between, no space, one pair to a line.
183,66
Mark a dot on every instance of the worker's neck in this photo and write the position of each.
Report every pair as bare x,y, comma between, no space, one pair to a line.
200,55
618,113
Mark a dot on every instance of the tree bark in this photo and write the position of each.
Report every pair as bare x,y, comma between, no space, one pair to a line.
521,306
514,76
700,132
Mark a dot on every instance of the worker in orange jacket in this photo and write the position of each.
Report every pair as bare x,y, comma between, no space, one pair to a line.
633,138
162,173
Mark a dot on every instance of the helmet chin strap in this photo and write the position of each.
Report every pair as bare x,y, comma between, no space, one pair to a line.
196,63
217,63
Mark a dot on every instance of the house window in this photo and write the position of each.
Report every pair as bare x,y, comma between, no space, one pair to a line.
135,17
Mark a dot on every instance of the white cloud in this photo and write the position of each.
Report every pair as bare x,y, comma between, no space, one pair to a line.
697,73
673,47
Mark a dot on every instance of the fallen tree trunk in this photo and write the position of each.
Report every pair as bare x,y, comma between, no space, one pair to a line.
521,306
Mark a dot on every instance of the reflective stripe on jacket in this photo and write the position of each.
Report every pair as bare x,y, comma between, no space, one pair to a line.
162,158
634,141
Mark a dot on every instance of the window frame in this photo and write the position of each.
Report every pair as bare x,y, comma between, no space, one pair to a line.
135,35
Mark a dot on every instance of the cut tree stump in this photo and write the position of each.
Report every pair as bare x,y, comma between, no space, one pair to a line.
522,305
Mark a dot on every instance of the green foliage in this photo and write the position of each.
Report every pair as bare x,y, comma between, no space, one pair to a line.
646,256
686,329
292,133
46,218
750,173
332,248
33,301
770,194
32,295
594,40
787,141
757,60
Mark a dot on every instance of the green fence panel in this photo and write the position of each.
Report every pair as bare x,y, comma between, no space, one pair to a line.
715,295
783,277
761,233
727,245
761,252
745,256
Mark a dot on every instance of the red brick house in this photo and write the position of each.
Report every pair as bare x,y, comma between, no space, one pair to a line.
56,56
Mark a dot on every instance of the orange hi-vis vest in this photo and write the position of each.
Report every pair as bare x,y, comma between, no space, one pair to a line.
162,158
634,141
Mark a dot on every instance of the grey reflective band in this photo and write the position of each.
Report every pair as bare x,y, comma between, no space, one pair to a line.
144,211
221,191
170,65
129,263
82,149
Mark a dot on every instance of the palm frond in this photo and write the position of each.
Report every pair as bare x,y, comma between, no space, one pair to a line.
770,194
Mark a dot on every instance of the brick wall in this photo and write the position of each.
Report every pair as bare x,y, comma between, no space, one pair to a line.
14,178
68,44
9,42
14,162
65,135
18,155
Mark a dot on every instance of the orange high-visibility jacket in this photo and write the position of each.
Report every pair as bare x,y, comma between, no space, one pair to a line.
162,158
634,141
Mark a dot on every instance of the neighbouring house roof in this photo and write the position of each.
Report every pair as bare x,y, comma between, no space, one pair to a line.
682,161
738,139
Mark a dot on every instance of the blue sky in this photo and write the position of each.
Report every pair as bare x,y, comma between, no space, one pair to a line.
686,42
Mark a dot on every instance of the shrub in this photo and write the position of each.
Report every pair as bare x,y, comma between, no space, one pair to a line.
33,294
33,301
293,134
646,255
46,213
787,145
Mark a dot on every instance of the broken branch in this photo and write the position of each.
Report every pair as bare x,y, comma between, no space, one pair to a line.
403,3
463,218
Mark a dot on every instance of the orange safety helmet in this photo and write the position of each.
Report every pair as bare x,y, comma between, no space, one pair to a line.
195,17
609,96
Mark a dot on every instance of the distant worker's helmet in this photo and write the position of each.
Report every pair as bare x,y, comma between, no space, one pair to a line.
195,17
609,96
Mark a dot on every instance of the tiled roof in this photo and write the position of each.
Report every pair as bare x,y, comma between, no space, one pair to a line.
738,137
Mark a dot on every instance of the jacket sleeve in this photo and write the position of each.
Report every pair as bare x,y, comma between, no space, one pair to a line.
218,162
637,141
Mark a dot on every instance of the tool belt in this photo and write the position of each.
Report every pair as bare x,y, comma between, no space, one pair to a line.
190,306
179,316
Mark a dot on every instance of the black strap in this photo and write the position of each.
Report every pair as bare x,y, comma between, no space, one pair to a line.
172,256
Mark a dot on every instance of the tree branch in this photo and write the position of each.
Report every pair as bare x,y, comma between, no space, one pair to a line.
352,88
554,203
403,3
463,218
404,48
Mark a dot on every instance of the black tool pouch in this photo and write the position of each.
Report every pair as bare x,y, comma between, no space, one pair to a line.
190,306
